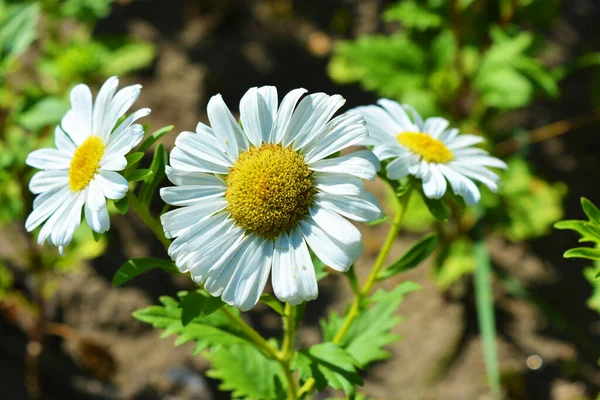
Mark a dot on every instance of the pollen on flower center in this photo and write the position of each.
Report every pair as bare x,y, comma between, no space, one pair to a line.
269,189
429,148
85,163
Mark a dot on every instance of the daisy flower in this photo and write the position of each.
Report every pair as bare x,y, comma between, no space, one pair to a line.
80,171
255,199
429,150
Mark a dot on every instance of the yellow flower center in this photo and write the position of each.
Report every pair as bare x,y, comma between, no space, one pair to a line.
269,189
430,149
85,163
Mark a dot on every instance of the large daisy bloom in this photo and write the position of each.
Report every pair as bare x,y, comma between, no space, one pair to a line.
80,171
429,150
255,199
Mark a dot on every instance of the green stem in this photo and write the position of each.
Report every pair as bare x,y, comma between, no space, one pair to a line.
254,336
289,331
354,312
152,223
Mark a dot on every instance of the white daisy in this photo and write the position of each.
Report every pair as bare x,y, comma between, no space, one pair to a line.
80,171
429,151
255,199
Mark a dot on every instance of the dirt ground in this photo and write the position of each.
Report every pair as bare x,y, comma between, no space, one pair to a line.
210,47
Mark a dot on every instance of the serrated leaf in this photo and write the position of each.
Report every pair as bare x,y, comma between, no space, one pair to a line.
246,372
590,210
139,175
157,168
122,205
413,256
583,252
437,208
272,302
198,303
150,140
137,266
206,330
330,365
371,331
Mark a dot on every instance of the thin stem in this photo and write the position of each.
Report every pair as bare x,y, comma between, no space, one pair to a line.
254,336
289,331
292,388
152,223
353,313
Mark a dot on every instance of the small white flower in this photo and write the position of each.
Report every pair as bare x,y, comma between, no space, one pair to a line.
80,171
429,151
254,200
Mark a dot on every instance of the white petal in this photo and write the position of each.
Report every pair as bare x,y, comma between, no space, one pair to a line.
45,205
435,126
461,185
113,185
48,159
199,234
102,105
312,114
98,220
190,194
284,115
332,238
399,114
362,164
389,150
341,132
434,186
382,127
65,227
49,180
113,162
63,142
258,112
363,207
116,134
77,122
448,135
203,147
418,121
250,277
95,196
231,138
400,167
221,271
293,278
119,105
123,141
175,221
182,178
487,161
464,141
339,184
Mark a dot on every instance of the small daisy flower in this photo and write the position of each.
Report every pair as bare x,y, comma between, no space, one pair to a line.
429,150
80,171
254,200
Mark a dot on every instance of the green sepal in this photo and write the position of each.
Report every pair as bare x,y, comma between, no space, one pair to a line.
272,302
122,205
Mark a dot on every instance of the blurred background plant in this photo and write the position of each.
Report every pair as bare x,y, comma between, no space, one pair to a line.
46,47
500,68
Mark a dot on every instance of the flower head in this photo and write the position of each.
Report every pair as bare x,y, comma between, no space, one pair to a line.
80,171
254,200
429,150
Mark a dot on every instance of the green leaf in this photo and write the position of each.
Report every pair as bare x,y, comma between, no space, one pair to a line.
437,208
198,303
330,365
134,158
246,372
583,252
590,210
137,266
122,205
46,112
412,15
128,58
150,140
371,331
139,175
413,257
158,173
272,302
18,29
206,330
